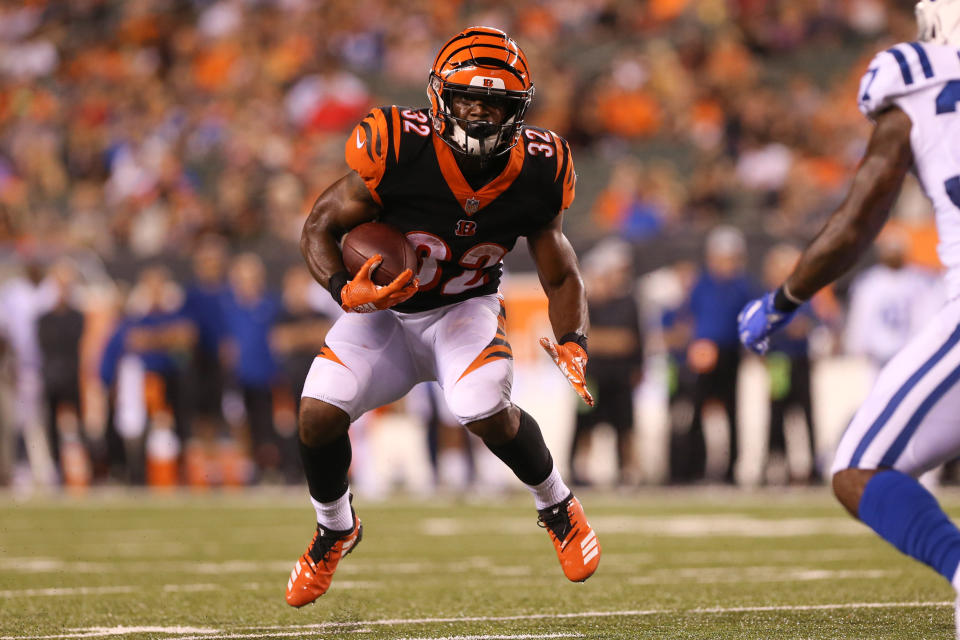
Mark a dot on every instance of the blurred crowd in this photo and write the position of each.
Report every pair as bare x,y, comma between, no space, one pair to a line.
158,158
137,126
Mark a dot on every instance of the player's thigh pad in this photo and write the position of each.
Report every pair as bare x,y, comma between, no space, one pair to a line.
910,420
474,361
364,364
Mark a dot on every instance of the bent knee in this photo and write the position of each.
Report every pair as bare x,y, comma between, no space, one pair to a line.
498,428
848,487
321,423
485,393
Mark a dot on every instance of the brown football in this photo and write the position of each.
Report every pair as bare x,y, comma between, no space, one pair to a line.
371,238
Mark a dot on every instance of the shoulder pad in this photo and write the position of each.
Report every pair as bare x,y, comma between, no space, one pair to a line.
368,147
894,73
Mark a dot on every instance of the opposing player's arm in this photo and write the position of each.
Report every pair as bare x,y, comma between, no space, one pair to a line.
858,220
560,277
345,204
850,230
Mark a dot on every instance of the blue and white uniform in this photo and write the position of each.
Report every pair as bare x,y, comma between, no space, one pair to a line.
909,421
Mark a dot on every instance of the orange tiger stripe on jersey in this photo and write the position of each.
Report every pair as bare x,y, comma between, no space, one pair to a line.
461,188
366,150
498,349
569,179
395,116
561,155
327,352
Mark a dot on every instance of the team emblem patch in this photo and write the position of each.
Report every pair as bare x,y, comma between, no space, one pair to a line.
466,228
471,206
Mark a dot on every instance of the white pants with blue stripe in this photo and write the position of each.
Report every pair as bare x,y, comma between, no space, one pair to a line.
910,421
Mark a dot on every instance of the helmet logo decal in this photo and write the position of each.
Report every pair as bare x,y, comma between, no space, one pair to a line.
487,82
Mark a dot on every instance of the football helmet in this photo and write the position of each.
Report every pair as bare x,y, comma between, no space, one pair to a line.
938,21
481,63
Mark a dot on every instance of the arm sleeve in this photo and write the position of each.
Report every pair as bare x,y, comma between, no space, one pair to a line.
566,176
367,148
893,74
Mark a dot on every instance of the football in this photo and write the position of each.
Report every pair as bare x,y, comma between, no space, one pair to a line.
372,238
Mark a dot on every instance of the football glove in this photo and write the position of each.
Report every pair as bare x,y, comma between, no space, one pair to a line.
571,358
362,295
758,320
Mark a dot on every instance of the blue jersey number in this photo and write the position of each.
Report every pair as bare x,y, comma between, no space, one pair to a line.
947,101
866,89
948,97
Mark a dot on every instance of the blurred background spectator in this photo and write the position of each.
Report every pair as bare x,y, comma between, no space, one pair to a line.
788,364
615,367
721,290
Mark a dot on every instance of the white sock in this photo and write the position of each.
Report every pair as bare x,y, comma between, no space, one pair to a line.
334,515
550,491
956,581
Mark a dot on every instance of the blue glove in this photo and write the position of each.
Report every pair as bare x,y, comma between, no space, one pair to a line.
758,320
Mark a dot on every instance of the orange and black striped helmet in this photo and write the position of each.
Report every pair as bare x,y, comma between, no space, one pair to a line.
481,63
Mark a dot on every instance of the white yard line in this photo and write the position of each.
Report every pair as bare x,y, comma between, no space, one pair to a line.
737,525
167,588
715,575
498,637
103,632
183,633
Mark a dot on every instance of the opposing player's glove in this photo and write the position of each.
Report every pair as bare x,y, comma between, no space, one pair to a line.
758,320
362,295
571,358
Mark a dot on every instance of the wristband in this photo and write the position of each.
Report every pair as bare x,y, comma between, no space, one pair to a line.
575,336
784,302
336,283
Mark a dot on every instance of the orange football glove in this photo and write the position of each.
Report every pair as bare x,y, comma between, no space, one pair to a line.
362,295
572,360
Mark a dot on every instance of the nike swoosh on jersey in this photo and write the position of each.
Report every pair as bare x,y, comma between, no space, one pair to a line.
359,143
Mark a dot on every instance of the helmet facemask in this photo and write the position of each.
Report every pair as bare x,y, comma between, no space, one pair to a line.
938,22
481,139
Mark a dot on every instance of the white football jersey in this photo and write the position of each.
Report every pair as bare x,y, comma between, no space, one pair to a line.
923,80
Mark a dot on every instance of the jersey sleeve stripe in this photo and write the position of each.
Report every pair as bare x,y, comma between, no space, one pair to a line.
395,117
368,132
904,67
924,60
379,143
561,156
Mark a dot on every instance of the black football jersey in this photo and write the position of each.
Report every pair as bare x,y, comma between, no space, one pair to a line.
460,234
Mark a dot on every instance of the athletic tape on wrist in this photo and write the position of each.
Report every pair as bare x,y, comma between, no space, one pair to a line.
336,284
575,336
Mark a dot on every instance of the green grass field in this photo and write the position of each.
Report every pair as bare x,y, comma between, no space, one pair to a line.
676,564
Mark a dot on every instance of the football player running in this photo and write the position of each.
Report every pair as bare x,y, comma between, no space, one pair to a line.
909,422
463,179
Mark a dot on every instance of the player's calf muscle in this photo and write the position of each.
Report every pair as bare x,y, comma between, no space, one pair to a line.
320,422
499,428
848,486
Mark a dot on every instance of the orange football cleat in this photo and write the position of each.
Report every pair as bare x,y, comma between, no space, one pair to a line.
313,572
573,538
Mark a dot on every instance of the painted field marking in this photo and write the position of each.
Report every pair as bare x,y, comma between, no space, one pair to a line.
523,636
686,526
104,632
297,630
626,562
721,575
167,588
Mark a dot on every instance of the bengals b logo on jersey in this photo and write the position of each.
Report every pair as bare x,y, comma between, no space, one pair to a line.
466,228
